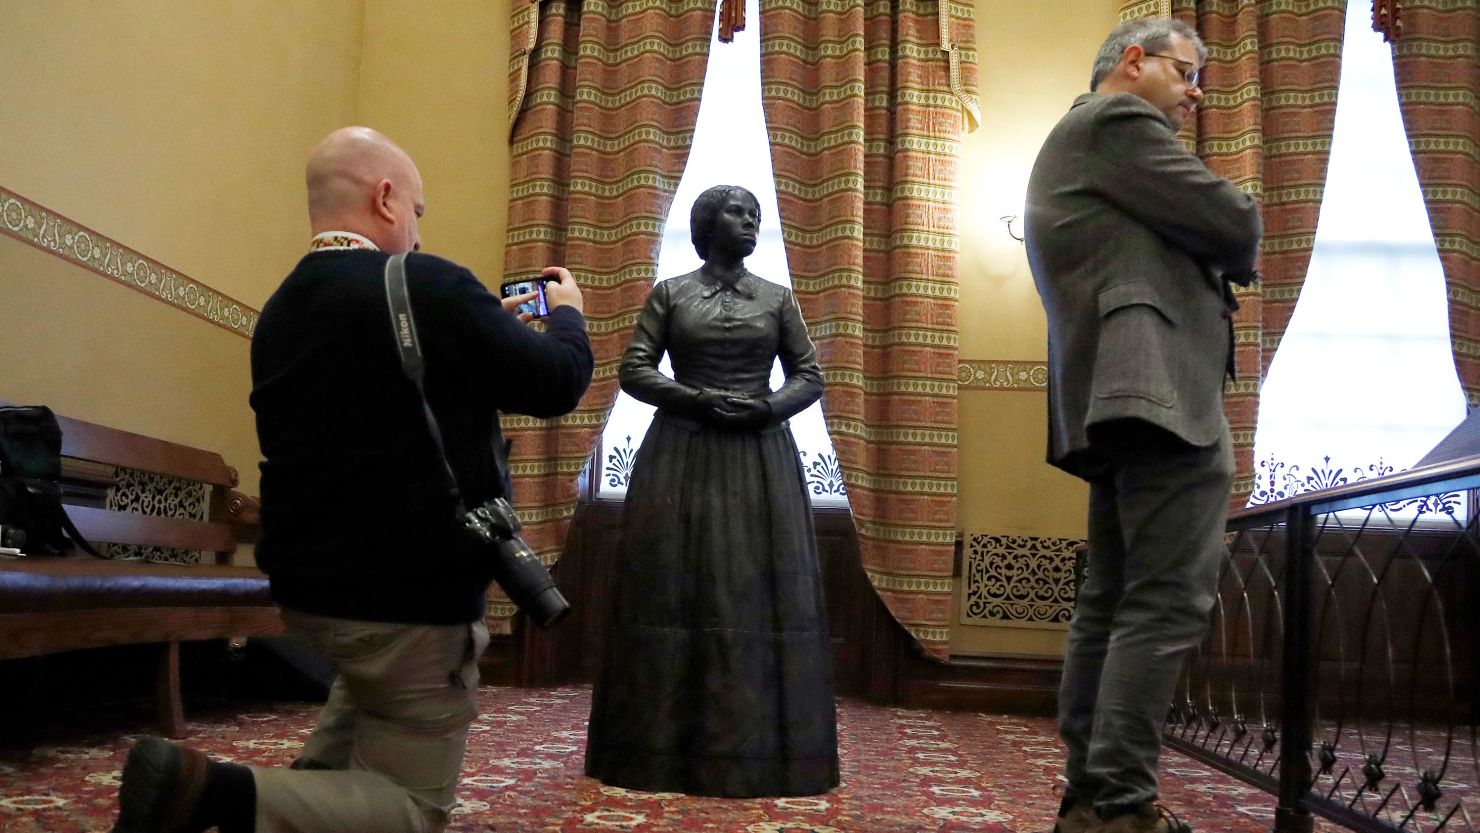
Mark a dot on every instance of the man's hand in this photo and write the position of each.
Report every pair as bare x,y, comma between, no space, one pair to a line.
511,304
561,289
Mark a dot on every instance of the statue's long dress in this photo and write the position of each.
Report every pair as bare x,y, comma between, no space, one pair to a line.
716,678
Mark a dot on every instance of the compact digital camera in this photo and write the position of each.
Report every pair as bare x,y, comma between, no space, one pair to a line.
538,306
513,564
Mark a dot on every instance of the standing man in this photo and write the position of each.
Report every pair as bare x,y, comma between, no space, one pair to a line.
1132,242
358,534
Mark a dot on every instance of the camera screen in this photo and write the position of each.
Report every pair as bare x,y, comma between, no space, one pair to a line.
535,306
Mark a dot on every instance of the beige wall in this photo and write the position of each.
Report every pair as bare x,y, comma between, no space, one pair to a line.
180,129
438,84
170,125
1033,60
165,126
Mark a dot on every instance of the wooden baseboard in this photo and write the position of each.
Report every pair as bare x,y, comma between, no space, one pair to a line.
873,657
1000,683
997,684
499,665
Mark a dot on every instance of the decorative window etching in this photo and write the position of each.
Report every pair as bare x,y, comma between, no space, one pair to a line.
145,493
1018,581
618,467
824,475
1276,479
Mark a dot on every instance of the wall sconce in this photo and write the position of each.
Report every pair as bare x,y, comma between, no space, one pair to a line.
1008,220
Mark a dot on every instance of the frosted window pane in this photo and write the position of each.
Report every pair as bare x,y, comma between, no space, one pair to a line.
730,148
1363,382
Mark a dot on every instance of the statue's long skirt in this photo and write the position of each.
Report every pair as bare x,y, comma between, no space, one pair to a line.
716,677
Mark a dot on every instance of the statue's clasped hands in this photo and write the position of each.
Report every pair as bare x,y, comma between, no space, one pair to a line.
735,411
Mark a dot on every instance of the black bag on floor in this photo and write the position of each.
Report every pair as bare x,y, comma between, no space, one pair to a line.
31,514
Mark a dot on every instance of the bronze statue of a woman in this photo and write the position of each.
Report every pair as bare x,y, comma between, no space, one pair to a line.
716,679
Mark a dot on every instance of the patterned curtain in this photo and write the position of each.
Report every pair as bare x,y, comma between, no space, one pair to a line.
866,104
1438,74
1266,120
603,100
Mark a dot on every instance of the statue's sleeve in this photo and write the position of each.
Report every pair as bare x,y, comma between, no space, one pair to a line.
803,384
639,374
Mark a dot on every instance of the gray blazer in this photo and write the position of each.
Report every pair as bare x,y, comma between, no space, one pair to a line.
1132,242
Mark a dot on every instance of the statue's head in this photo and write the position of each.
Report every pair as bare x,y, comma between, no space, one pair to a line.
707,210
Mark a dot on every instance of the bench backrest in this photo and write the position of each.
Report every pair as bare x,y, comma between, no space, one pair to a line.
128,489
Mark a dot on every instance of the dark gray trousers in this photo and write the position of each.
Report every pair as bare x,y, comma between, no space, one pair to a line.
1157,511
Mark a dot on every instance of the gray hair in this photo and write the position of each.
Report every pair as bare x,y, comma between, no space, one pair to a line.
1153,34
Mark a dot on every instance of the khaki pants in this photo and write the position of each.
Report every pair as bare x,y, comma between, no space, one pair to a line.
395,728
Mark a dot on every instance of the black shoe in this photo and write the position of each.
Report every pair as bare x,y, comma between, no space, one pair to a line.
162,783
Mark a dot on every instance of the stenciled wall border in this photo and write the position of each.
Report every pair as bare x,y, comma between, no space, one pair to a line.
73,242
1002,374
54,233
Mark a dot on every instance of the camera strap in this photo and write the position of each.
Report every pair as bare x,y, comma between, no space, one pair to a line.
412,362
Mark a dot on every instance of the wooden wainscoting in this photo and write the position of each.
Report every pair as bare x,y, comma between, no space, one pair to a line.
874,658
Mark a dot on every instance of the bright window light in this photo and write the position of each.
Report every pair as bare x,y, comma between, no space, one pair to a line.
730,148
1363,383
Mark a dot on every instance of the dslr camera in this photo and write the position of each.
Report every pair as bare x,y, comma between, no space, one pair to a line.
515,567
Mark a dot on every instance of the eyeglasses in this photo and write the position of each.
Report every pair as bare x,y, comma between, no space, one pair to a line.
1190,75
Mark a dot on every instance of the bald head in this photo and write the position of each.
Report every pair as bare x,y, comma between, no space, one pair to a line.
358,180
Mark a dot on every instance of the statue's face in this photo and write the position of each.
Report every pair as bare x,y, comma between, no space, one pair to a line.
736,225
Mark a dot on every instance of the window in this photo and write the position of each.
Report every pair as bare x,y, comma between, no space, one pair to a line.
730,148
1363,383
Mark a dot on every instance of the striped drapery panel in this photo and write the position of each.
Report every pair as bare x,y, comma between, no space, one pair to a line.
603,100
1145,8
1265,123
1438,73
866,103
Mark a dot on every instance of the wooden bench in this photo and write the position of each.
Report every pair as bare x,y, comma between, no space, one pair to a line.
139,500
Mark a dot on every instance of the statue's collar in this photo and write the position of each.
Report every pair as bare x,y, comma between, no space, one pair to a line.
745,284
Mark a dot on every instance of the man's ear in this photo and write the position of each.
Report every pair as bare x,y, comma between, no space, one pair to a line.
381,201
1131,58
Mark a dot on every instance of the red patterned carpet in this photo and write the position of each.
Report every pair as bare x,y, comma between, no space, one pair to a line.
903,770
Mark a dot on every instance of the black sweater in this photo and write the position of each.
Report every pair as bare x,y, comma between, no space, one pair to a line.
356,518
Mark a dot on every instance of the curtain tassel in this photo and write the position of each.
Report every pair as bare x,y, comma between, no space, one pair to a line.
1385,19
731,19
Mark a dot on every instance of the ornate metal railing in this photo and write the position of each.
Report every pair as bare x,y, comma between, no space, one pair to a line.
1341,670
